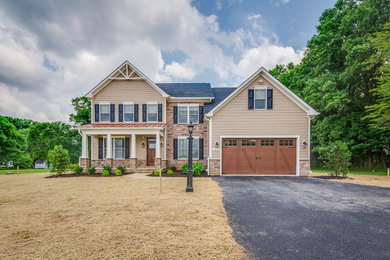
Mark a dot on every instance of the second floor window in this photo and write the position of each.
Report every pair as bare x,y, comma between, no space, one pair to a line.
104,113
152,112
188,113
128,111
260,98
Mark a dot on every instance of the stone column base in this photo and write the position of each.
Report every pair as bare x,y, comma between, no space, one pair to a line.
84,163
133,163
304,168
214,167
157,163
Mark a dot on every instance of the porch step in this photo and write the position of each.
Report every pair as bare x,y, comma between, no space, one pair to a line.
145,170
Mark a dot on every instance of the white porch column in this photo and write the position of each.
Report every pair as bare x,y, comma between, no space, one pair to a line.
109,146
158,145
133,153
84,150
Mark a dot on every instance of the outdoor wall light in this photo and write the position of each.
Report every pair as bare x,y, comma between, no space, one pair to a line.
216,144
161,143
143,144
304,143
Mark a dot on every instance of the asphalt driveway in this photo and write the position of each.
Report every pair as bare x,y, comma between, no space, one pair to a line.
305,218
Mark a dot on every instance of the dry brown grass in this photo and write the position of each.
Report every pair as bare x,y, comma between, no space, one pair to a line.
371,180
122,217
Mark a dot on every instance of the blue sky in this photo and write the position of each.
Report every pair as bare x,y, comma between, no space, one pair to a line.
53,51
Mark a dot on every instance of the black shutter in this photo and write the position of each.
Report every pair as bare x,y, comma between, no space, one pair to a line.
144,112
201,156
270,98
100,148
160,112
127,148
136,113
112,113
175,148
175,114
251,94
120,111
97,113
201,109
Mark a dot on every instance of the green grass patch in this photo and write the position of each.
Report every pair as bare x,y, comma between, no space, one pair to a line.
22,171
379,172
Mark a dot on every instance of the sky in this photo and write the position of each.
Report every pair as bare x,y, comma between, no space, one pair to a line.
52,51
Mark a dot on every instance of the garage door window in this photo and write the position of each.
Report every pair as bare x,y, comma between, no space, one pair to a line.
267,143
248,142
286,142
230,143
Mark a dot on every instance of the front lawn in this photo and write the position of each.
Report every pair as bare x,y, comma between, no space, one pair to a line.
3,171
124,217
378,171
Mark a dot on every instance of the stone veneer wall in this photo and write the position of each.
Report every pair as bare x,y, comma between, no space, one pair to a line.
177,130
214,167
304,168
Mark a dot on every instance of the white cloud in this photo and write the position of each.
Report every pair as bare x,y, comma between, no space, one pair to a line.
87,41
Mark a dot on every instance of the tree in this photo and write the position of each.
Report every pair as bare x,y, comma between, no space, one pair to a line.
12,145
336,157
379,113
82,107
58,159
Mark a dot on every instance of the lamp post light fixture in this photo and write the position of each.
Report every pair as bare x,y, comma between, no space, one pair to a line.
189,171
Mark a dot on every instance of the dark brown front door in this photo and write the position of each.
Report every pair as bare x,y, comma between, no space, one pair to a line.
151,151
259,156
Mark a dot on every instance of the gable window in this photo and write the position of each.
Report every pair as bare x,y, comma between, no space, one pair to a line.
152,112
105,113
188,113
118,148
261,98
128,112
183,148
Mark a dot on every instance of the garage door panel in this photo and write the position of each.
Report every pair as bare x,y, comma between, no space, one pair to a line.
247,160
230,156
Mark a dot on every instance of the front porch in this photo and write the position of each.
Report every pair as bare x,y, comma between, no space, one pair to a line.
134,146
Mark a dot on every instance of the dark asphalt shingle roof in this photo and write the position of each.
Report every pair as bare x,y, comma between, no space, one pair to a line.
219,95
187,89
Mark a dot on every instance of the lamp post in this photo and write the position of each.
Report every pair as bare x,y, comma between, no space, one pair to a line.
189,171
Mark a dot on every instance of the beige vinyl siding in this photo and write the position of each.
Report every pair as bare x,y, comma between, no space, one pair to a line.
286,118
119,91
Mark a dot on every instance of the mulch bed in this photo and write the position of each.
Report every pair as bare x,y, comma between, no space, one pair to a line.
179,174
331,177
66,175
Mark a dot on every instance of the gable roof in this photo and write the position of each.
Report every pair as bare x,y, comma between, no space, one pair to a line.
276,83
187,90
219,95
125,71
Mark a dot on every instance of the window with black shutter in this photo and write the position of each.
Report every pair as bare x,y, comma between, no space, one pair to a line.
250,99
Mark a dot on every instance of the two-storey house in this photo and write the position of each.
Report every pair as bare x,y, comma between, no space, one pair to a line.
260,127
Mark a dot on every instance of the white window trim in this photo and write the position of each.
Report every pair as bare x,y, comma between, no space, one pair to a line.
147,111
126,104
185,159
113,147
254,97
188,113
109,111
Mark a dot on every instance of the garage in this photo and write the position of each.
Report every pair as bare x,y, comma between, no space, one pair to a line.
262,156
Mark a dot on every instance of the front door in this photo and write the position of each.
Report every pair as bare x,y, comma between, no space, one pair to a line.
151,151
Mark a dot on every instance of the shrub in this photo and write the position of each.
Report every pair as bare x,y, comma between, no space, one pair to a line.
24,161
197,168
78,170
173,168
122,168
170,172
184,167
336,157
107,168
157,172
58,159
105,173
91,170
118,172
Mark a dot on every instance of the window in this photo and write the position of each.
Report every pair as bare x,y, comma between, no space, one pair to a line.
104,113
118,148
260,98
152,112
128,113
248,143
286,142
188,113
229,142
267,143
182,148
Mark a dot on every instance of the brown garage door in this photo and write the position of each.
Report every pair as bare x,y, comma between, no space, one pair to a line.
259,156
